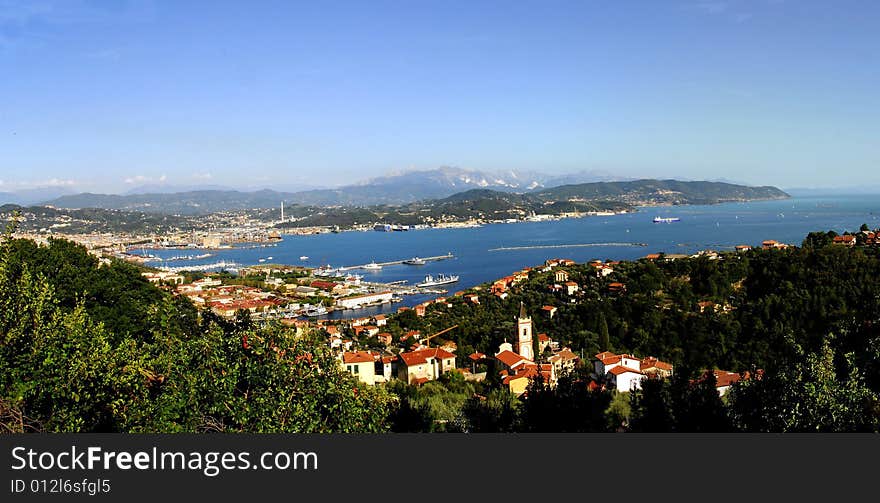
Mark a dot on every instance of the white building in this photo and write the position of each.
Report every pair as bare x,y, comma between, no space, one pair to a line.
360,364
361,300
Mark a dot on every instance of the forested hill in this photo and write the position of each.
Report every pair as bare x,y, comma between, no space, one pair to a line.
639,192
648,192
90,220
803,322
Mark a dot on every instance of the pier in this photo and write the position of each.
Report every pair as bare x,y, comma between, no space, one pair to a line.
398,262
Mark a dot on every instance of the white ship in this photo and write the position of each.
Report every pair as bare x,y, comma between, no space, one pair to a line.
414,261
373,266
668,220
441,279
318,310
304,257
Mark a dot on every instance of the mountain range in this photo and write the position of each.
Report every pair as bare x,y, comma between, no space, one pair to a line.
410,187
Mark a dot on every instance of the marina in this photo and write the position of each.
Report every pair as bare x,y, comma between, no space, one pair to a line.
495,250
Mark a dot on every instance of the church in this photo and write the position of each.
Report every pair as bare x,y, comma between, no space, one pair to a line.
518,359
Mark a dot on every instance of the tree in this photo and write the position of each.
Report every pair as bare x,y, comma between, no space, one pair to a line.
157,370
604,338
806,394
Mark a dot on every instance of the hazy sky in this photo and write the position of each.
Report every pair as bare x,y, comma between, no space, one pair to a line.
107,95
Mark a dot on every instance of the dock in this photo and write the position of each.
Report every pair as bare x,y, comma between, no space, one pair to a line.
398,262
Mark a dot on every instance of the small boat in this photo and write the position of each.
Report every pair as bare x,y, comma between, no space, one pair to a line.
269,258
442,279
373,266
318,310
414,261
666,220
261,260
304,257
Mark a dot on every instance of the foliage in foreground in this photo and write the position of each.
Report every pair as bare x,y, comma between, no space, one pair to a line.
63,370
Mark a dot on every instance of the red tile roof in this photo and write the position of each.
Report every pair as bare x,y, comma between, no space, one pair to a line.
620,369
357,357
510,358
421,356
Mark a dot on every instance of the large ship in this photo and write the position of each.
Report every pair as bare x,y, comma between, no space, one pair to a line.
442,279
666,220
373,266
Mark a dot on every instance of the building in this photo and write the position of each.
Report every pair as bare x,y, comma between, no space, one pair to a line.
163,277
418,367
362,300
524,334
518,381
625,372
360,364
624,378
845,240
550,310
563,362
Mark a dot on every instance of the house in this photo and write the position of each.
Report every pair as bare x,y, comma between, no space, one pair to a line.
653,256
624,378
550,310
384,368
616,287
742,248
543,342
563,362
771,244
845,240
518,382
571,287
653,367
163,277
606,360
509,359
417,367
380,320
625,372
724,379
385,338
560,276
420,309
360,364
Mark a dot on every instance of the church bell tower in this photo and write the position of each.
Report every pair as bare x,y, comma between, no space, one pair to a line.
524,334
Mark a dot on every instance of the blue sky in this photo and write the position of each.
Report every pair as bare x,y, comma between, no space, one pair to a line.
106,95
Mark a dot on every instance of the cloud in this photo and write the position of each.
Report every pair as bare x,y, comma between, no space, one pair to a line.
56,182
202,176
140,179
